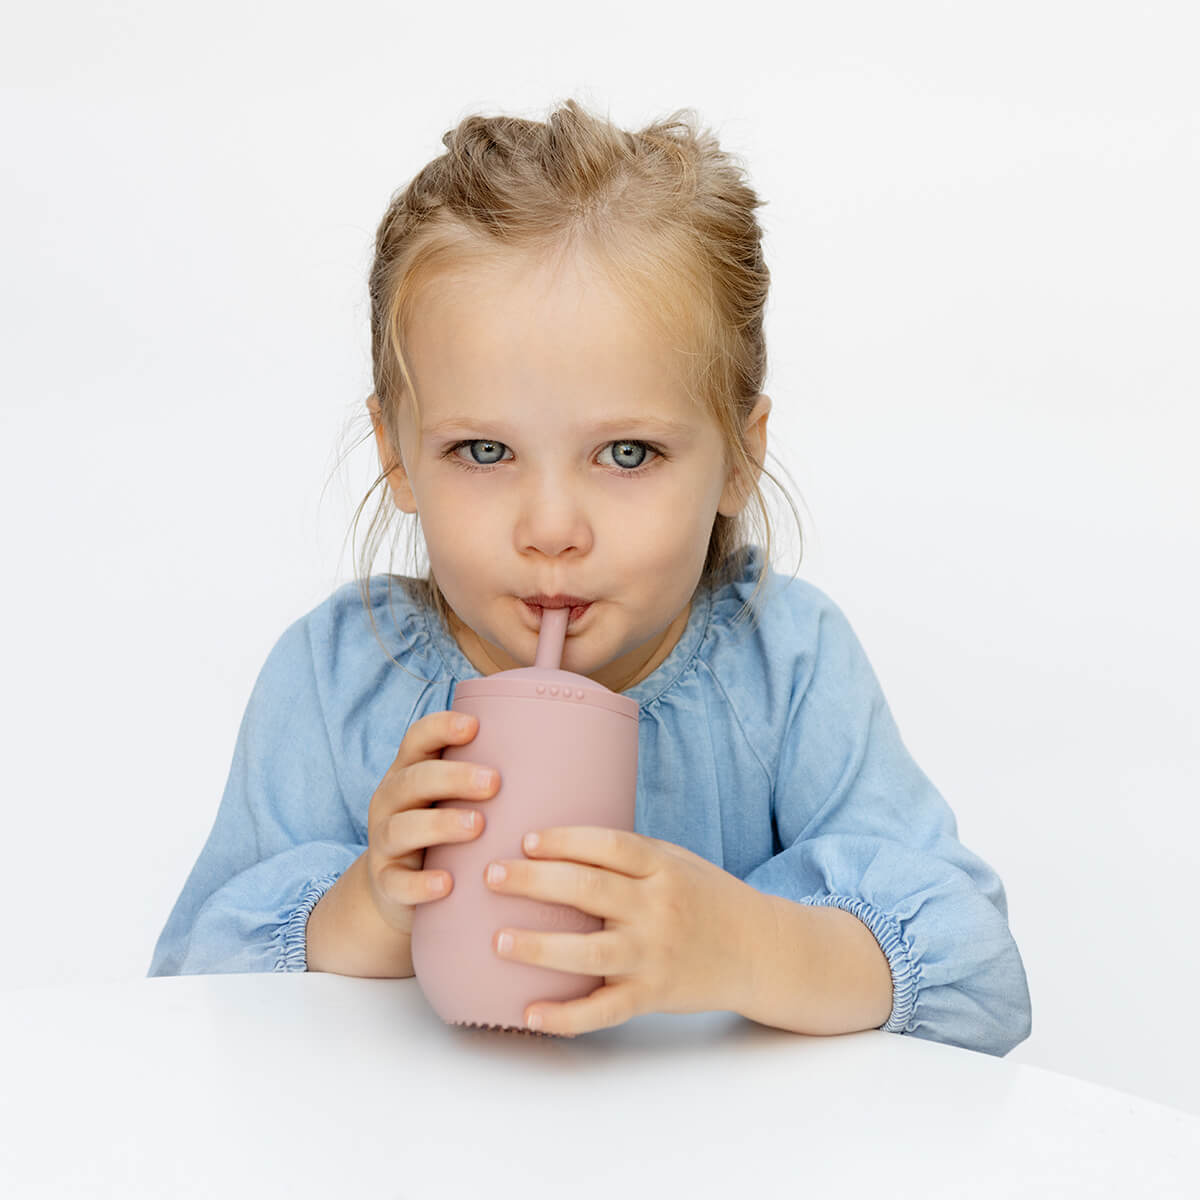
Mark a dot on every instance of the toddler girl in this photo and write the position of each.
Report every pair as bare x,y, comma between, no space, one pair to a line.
568,355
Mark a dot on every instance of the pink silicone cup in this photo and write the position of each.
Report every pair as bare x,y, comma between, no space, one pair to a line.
566,749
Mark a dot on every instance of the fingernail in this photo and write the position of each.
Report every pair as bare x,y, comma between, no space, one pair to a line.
462,724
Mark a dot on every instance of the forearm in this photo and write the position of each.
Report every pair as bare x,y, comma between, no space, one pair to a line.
347,936
813,969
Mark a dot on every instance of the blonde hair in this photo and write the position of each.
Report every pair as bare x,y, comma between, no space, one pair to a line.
663,211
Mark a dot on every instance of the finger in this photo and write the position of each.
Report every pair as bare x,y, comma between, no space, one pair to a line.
420,828
447,779
604,954
429,736
607,1006
618,850
425,783
591,890
404,887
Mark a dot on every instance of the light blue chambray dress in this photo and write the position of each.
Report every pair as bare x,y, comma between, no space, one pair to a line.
767,747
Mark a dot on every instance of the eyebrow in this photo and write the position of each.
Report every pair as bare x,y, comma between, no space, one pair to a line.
652,425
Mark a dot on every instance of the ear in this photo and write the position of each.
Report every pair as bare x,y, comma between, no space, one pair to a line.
737,491
398,482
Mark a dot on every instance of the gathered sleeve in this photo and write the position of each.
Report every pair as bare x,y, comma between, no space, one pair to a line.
282,834
863,829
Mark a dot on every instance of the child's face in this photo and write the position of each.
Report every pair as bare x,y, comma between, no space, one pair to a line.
552,385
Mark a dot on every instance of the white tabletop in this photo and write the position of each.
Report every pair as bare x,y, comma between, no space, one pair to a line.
321,1085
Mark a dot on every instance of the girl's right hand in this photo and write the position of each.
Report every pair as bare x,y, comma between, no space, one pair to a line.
401,823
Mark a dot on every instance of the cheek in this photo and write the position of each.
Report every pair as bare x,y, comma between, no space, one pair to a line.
447,510
672,527
455,535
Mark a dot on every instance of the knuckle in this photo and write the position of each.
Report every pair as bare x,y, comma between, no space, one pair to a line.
596,956
630,1006
414,774
393,882
381,797
422,782
591,884
608,1016
393,841
395,785
375,823
409,749
674,910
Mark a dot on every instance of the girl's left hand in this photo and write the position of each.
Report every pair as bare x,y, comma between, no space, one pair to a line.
676,927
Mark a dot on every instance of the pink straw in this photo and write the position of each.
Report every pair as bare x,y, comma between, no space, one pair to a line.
551,636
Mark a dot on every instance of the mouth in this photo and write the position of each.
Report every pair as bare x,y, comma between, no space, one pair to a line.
577,604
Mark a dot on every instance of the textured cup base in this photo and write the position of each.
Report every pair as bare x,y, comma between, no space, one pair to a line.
502,1028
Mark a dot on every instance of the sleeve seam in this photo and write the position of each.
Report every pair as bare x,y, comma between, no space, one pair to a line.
733,711
828,618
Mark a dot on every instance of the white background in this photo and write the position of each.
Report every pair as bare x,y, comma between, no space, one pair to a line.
981,227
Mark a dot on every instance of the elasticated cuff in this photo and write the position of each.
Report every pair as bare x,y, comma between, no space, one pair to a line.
906,974
293,954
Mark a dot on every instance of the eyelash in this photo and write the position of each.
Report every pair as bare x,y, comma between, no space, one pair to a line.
634,473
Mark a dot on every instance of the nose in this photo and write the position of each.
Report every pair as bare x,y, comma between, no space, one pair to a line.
553,517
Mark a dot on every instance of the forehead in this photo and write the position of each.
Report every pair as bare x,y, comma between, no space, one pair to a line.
526,322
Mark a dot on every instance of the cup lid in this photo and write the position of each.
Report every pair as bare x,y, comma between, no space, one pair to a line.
542,683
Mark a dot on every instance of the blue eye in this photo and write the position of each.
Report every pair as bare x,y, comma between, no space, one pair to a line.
624,450
489,448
